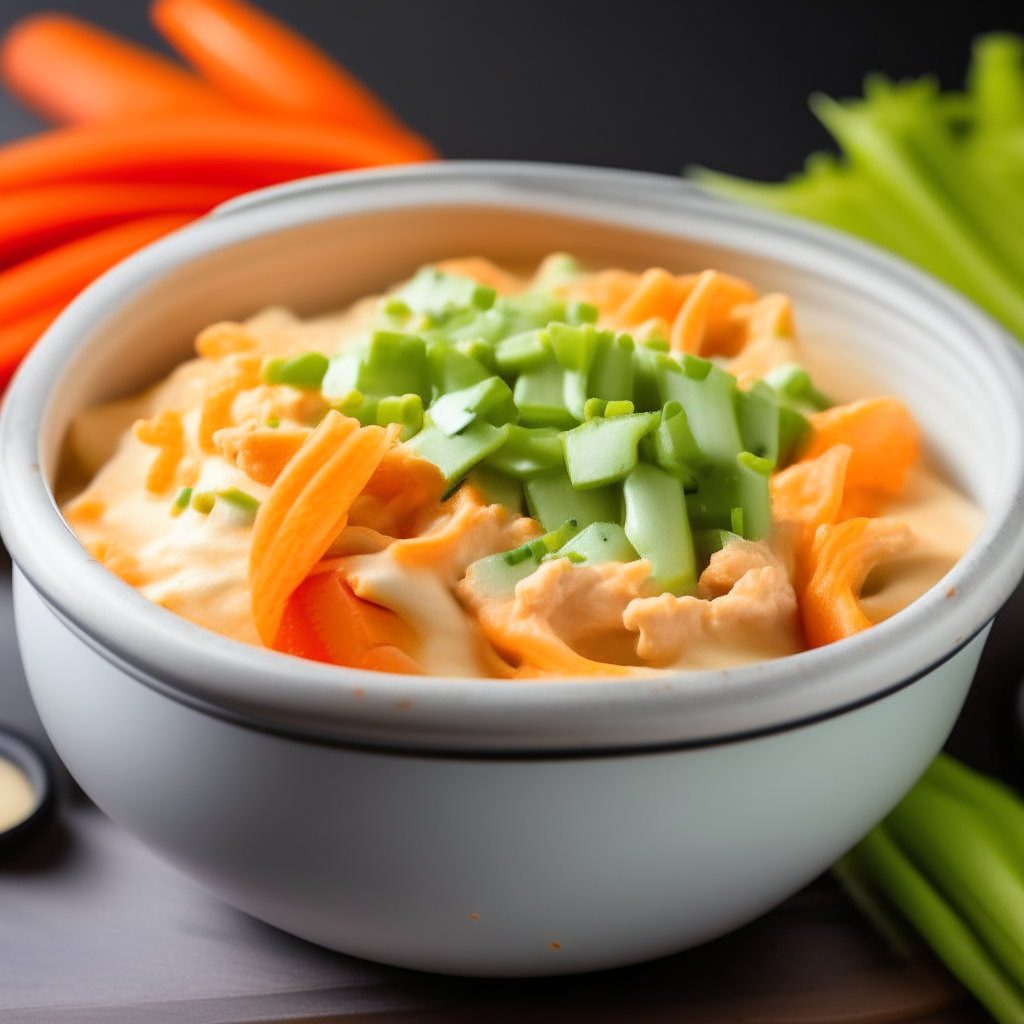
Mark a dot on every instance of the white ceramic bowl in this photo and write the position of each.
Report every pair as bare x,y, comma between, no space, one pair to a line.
487,827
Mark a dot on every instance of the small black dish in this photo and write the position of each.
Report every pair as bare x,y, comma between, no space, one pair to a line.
31,762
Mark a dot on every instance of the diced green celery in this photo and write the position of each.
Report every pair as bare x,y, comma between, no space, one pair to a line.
274,422
490,400
736,521
480,350
603,451
451,370
528,451
181,500
576,347
497,488
472,324
407,410
455,456
342,376
618,408
540,397
581,313
531,310
743,485
203,501
675,449
648,364
599,543
657,525
243,506
557,269
552,500
521,353
574,393
996,81
395,307
611,376
394,364
438,295
594,408
708,394
358,405
496,578
794,387
793,429
757,412
543,546
305,371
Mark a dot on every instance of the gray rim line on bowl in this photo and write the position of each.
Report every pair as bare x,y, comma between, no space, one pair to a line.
363,707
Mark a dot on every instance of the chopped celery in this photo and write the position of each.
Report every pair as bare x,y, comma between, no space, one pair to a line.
618,408
342,376
794,387
594,408
203,501
550,542
743,485
675,449
496,577
648,365
439,295
394,364
736,521
557,269
243,506
552,500
407,410
581,313
456,455
452,370
708,394
490,400
305,371
602,451
611,375
793,430
181,500
273,422
757,412
523,352
531,310
528,451
358,405
540,396
657,525
497,488
598,543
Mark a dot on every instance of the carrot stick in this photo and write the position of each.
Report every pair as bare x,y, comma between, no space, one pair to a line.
657,294
264,65
843,555
69,71
240,150
706,310
58,275
17,338
305,510
35,219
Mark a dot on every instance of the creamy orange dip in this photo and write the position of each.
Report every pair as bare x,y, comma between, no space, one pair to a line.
162,467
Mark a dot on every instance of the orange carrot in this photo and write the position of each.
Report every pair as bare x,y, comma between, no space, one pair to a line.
306,508
18,337
657,294
239,373
843,554
35,219
607,289
241,149
705,312
69,71
261,453
885,440
167,433
263,64
58,275
810,492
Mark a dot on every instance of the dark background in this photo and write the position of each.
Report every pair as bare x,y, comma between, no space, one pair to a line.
647,86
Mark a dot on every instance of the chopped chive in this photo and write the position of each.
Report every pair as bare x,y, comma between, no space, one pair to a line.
274,422
203,502
619,408
181,500
242,504
305,371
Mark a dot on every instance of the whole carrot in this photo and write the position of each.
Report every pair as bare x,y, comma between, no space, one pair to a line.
69,71
58,275
263,64
17,338
35,219
236,149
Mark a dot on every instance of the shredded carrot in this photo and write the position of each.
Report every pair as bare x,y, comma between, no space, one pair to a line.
885,440
121,563
607,290
167,433
85,510
702,323
657,294
243,372
306,510
410,486
842,556
18,337
434,547
67,70
224,338
261,453
810,492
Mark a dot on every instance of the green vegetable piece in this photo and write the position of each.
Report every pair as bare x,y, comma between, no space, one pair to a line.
793,386
736,521
304,371
496,577
996,81
649,363
407,410
243,505
594,408
743,485
394,364
342,376
274,422
203,502
181,500
528,451
479,350
456,455
452,370
497,488
581,313
557,269
675,449
439,295
540,397
491,400
552,500
708,394
521,353
794,428
395,307
576,347
657,525
707,542
359,406
531,310
611,375
550,542
604,450
757,412
622,408
597,544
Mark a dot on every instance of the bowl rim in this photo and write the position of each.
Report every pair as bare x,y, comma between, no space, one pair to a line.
485,717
